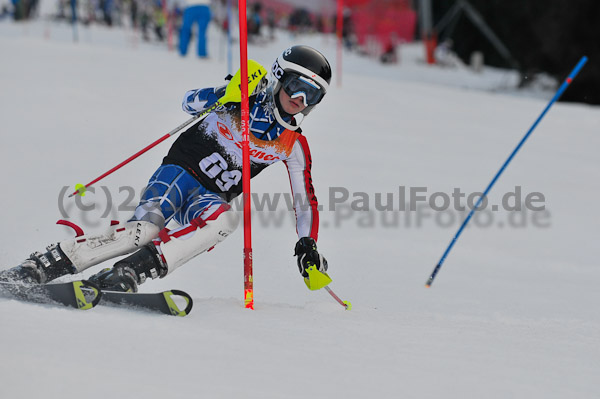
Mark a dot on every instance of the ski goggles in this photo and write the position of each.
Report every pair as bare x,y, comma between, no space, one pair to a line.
300,86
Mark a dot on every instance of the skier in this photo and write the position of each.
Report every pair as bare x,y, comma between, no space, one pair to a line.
200,174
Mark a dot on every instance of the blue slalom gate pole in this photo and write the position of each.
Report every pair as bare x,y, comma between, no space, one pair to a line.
560,91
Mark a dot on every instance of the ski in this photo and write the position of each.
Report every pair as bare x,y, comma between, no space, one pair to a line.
79,294
162,302
83,294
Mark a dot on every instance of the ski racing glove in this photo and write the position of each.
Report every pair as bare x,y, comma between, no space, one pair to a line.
306,251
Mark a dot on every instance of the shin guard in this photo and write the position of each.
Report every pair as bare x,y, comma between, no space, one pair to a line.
85,251
178,246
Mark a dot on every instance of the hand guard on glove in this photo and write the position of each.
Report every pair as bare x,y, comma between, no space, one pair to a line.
306,251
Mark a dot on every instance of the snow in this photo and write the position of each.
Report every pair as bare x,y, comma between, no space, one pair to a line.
512,314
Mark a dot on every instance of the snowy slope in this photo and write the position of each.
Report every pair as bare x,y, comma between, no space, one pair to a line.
513,313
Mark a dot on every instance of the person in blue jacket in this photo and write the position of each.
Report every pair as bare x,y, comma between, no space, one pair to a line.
196,11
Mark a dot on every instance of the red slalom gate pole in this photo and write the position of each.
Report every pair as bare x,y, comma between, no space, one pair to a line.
248,279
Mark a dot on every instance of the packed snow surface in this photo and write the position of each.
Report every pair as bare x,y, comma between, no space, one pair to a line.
513,313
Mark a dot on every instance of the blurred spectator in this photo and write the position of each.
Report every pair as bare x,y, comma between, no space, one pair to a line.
145,17
348,29
300,21
176,17
90,8
117,12
107,11
271,23
159,21
142,19
24,9
321,24
73,4
133,13
196,11
390,55
4,11
16,10
254,22
32,8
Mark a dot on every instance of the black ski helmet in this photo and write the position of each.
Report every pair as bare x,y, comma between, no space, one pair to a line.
305,61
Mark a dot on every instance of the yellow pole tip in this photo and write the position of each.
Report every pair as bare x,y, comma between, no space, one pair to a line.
249,299
348,305
80,188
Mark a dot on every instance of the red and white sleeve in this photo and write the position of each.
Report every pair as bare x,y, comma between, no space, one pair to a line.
305,202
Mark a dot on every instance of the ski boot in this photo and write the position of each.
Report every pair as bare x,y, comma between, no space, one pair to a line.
40,268
128,273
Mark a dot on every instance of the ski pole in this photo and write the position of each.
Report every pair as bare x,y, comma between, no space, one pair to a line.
80,189
559,92
346,304
256,73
